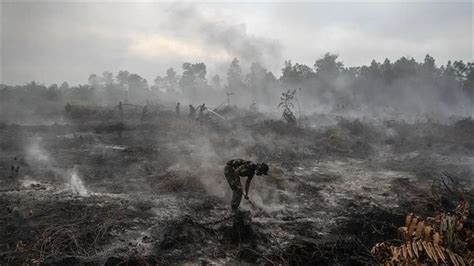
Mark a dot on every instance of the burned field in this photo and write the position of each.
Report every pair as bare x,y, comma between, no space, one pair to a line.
104,190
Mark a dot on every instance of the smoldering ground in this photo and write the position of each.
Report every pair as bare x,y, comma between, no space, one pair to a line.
112,170
163,176
148,183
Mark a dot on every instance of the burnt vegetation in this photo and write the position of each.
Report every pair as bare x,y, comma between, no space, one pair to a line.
368,165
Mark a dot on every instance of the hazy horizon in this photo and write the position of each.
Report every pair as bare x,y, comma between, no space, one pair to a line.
56,42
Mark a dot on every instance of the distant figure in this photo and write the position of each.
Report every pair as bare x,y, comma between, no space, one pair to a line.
177,108
192,111
68,108
236,168
14,169
253,107
144,112
201,110
120,108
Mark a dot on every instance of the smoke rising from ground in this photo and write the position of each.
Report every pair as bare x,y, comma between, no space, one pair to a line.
404,89
355,108
41,160
76,184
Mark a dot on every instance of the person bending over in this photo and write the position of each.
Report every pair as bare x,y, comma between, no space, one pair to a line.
236,168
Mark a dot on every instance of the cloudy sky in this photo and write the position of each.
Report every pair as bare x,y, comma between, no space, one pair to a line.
55,42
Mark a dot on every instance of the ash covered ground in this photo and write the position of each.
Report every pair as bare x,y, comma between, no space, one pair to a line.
102,189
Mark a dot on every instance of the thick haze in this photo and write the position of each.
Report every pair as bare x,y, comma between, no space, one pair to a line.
55,42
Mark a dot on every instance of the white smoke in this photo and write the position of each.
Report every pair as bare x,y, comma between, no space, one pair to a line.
76,185
36,153
38,157
28,182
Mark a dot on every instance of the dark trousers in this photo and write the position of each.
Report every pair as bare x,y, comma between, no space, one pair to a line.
234,182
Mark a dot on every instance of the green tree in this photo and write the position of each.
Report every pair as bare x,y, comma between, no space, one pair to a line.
171,80
107,78
234,76
468,84
216,82
387,72
328,68
122,77
94,81
295,74
138,90
404,68
64,86
193,80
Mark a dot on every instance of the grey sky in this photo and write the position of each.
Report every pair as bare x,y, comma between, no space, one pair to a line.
55,42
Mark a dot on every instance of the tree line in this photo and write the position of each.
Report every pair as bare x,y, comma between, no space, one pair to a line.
404,84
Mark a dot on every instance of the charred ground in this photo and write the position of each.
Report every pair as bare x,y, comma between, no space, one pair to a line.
152,190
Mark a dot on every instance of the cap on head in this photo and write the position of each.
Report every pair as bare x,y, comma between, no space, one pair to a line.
262,169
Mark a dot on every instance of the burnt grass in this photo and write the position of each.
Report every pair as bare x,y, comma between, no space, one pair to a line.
154,188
